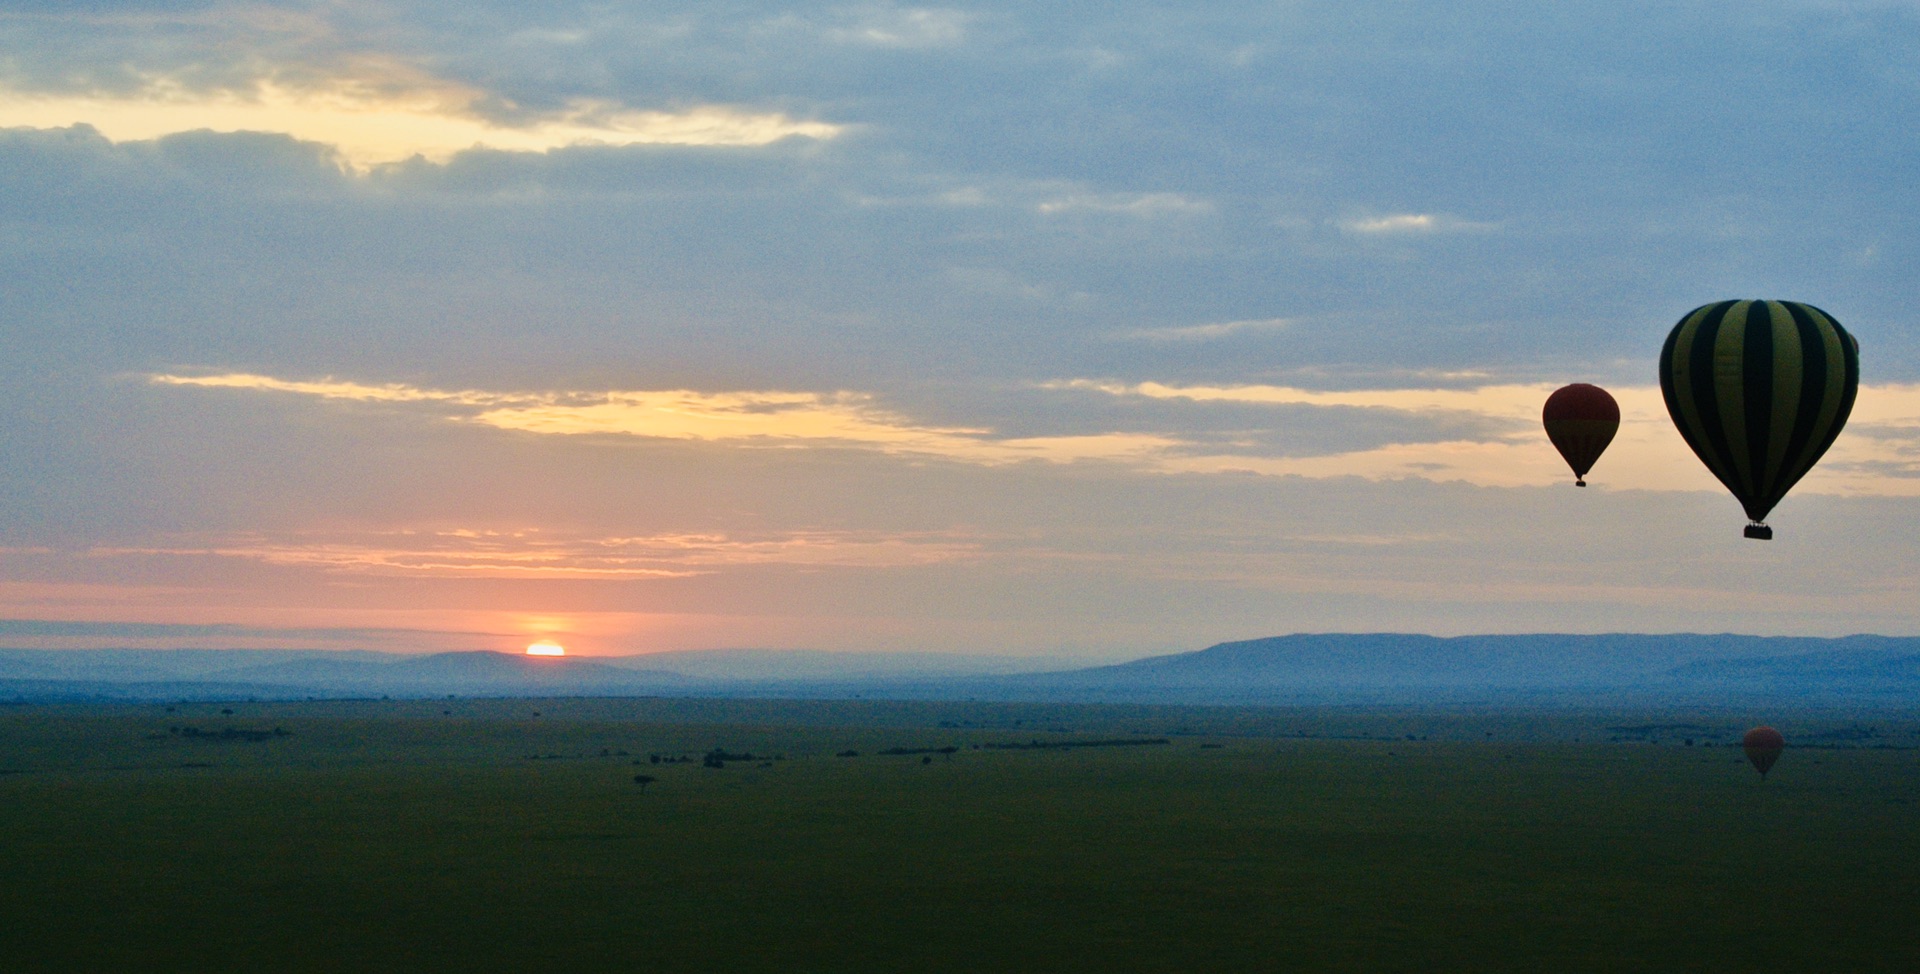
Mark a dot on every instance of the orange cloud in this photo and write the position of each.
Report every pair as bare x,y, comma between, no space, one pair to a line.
1879,456
381,119
767,418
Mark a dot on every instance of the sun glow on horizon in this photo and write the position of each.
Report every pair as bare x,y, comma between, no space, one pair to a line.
546,647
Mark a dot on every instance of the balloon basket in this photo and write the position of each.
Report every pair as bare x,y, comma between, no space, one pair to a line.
1759,532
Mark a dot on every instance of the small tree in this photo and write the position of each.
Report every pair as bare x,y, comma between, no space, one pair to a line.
643,780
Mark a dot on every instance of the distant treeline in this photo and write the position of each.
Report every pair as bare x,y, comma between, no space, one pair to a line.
229,733
1031,745
719,756
1038,745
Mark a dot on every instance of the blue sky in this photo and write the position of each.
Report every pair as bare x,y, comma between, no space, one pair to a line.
979,327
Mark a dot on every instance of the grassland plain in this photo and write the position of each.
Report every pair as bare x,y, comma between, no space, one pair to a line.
477,836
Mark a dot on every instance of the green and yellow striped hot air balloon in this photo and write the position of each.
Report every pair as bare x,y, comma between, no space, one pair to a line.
1759,389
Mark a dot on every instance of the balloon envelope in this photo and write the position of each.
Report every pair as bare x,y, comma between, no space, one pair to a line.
1759,390
1763,746
1580,420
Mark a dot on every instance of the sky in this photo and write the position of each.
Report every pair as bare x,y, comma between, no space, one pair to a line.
988,328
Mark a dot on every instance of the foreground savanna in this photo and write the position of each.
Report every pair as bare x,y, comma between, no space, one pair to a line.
476,836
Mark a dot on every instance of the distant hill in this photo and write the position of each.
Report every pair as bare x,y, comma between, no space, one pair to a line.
478,673
266,674
136,665
1390,667
1371,668
814,664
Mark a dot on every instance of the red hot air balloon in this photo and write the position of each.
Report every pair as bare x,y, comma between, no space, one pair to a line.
1580,420
1763,746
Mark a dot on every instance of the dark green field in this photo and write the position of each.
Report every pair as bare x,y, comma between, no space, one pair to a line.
394,836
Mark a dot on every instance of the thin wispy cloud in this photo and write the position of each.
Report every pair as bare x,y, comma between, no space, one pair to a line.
1207,332
1054,198
903,27
1130,204
534,553
336,389
1501,401
1879,456
1411,224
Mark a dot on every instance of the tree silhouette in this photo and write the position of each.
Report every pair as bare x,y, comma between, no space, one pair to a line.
643,780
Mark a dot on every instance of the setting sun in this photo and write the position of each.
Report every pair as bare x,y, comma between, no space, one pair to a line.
546,647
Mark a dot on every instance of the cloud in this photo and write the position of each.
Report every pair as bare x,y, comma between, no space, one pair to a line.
1205,333
767,419
1882,458
1050,198
904,27
1501,401
534,553
1130,204
371,127
349,78
333,389
1878,456
1412,223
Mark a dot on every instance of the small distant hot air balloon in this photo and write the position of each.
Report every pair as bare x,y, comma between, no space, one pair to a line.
1763,746
1580,420
1759,389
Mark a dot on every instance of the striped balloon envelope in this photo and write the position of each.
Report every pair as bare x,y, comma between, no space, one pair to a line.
1759,389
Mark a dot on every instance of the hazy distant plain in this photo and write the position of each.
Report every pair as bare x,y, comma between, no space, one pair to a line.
397,836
